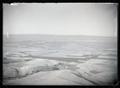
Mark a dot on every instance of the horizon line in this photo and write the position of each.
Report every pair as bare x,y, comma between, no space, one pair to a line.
62,35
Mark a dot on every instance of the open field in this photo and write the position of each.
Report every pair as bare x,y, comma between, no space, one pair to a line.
59,60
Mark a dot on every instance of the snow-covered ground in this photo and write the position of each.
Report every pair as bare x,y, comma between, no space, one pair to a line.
59,61
51,72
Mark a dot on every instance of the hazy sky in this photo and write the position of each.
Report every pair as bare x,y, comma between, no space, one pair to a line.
60,18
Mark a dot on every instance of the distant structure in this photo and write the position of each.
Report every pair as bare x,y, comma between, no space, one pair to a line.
7,35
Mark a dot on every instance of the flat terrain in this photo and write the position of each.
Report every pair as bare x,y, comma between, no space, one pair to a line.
56,60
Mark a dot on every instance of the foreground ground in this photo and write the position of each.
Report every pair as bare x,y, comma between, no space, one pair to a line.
54,72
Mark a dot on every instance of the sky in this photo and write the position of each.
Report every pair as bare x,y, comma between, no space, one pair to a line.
96,19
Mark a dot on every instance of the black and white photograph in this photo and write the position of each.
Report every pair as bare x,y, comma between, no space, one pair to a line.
60,44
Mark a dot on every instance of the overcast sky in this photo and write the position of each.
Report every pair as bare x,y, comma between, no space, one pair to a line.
60,18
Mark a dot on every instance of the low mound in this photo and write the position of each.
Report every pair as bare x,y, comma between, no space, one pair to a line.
31,67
